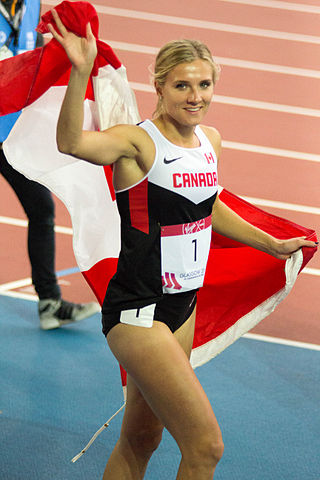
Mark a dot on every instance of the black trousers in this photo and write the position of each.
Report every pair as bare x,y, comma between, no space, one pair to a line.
38,205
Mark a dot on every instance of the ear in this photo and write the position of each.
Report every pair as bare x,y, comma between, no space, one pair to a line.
158,89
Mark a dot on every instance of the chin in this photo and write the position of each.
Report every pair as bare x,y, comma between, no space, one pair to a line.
188,120
194,120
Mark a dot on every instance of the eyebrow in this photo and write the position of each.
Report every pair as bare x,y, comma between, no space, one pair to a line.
187,81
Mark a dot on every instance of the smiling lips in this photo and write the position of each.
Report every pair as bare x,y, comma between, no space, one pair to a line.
193,109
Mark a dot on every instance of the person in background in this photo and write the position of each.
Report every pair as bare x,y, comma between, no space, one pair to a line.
17,34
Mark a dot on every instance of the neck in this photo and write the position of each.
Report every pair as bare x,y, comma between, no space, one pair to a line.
182,135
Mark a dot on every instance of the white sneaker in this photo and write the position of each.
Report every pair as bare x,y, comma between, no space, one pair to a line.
56,313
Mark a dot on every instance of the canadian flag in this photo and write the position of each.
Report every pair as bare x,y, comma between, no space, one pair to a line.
242,285
36,82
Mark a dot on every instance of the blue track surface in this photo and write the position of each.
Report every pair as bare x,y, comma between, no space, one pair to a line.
57,388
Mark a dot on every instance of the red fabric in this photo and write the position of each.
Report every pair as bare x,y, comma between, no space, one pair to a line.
75,16
100,275
238,278
186,228
27,76
138,205
108,171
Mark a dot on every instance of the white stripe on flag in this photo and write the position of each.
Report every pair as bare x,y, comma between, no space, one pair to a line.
86,185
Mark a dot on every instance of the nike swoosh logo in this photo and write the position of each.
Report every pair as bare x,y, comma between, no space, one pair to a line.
171,160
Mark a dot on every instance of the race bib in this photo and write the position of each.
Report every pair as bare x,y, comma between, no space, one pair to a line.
184,255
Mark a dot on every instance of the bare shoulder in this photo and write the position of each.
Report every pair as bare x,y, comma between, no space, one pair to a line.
132,134
214,137
135,143
121,141
211,132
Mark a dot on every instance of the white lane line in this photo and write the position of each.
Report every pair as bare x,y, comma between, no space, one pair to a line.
256,201
17,222
132,47
312,271
281,341
249,336
275,107
243,102
190,22
24,282
230,62
282,205
268,67
22,296
278,152
143,87
297,7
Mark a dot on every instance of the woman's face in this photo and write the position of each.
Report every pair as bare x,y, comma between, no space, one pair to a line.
187,92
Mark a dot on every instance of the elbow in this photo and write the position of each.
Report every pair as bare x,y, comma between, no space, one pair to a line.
66,147
62,148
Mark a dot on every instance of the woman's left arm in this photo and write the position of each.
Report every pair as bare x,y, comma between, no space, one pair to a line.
226,222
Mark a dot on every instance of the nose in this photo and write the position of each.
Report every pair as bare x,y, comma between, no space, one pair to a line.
194,96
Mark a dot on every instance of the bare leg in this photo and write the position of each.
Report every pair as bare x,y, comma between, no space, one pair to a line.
162,390
141,434
141,430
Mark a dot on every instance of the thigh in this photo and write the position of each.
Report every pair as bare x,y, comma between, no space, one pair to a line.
160,369
35,198
138,415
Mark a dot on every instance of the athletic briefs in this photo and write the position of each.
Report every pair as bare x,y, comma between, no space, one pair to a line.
173,310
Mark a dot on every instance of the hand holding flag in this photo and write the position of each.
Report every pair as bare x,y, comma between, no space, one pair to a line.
286,248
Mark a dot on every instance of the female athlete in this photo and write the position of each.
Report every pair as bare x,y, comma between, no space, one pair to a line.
165,180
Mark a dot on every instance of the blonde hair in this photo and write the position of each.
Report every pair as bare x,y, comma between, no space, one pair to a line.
180,51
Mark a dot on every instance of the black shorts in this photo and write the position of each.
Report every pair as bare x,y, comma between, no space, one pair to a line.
172,309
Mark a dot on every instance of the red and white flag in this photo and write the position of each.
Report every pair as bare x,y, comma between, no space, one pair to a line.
36,82
242,285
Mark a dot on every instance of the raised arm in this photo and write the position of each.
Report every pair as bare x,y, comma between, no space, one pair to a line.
96,147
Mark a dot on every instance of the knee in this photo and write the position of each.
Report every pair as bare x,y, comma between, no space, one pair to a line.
206,451
217,451
42,212
210,449
144,441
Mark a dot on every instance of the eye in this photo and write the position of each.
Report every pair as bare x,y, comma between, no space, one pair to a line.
181,86
205,84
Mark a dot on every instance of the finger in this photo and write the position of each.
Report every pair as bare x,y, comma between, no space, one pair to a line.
89,31
305,242
308,243
59,23
91,39
54,33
